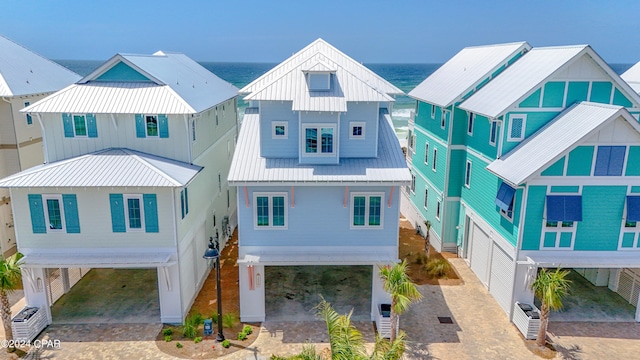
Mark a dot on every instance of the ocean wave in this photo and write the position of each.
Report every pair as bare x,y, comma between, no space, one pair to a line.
401,113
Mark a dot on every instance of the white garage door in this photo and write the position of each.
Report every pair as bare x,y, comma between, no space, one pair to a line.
502,275
480,245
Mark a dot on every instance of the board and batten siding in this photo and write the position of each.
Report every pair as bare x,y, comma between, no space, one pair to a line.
271,111
362,112
95,223
207,132
175,146
319,218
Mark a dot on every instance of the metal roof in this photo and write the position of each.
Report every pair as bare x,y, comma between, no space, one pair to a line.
249,168
463,72
552,141
114,167
179,86
24,72
632,77
332,58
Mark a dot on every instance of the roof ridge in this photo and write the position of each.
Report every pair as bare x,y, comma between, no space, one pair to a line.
496,45
137,155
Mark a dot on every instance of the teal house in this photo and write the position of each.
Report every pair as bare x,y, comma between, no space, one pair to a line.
525,158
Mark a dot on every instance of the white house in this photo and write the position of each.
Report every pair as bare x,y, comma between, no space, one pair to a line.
136,157
25,77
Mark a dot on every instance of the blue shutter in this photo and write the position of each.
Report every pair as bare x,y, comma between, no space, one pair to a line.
117,213
633,208
564,208
150,212
92,127
602,161
555,208
67,121
72,222
163,125
141,130
616,160
504,198
38,224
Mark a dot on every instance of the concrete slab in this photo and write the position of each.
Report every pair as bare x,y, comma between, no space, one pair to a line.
110,296
291,292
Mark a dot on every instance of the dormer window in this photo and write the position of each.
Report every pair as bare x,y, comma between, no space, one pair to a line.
318,140
320,81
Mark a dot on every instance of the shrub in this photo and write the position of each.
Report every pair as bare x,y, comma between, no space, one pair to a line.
229,319
167,338
167,332
178,345
195,319
242,336
189,331
214,317
247,329
421,259
198,339
226,344
438,268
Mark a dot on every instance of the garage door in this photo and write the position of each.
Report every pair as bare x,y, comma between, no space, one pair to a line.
502,275
480,245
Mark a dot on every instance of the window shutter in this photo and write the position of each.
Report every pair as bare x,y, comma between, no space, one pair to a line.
141,130
150,213
186,201
72,222
92,128
182,204
67,121
602,161
37,214
163,125
505,197
633,208
117,213
616,160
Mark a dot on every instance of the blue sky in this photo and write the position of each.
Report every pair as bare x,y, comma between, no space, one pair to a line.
420,31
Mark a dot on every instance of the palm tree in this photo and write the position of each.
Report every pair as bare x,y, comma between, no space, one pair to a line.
550,287
402,290
10,279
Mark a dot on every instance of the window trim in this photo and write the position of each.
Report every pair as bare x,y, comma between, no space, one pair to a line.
354,124
270,196
493,136
319,127
443,119
325,87
45,205
86,127
277,123
366,225
434,163
433,111
467,174
426,198
126,198
438,209
524,126
470,120
426,153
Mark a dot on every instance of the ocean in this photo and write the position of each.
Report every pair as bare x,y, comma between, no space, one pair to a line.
404,76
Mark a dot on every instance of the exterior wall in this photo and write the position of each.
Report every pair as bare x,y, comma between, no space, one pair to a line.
479,140
176,146
208,131
28,137
278,148
367,113
432,124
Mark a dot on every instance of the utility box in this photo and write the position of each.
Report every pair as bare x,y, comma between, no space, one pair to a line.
28,323
527,319
208,327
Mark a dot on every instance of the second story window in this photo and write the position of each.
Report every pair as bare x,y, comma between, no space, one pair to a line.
493,133
279,130
470,124
29,118
610,160
79,125
134,212
51,213
318,140
356,130
153,126
270,210
366,210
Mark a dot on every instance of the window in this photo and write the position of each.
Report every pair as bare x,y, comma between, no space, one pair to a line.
54,216
438,206
79,125
366,210
435,159
193,130
517,125
219,183
633,212
433,111
426,197
505,199
29,118
631,224
151,125
467,174
493,135
270,210
426,153
470,123
279,130
443,119
610,160
356,130
228,199
216,116
134,212
413,183
319,81
325,146
184,202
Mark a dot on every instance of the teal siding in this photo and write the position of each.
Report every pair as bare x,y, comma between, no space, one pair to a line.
72,222
619,99
92,127
535,120
457,163
549,239
163,126
67,122
479,141
553,94
459,127
633,163
117,213
122,72
435,177
635,189
430,212
565,189
627,240
36,208
150,213
602,208
556,169
601,92
577,91
580,160
565,240
533,218
451,211
533,101
432,125
141,130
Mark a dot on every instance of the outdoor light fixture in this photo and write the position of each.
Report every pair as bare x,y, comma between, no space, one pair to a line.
213,253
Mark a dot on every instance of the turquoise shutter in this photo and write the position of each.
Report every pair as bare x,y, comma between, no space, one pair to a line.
182,203
71,213
163,124
92,127
67,121
38,224
186,201
141,130
150,212
117,213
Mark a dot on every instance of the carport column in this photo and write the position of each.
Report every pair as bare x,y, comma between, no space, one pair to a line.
34,282
64,275
378,295
252,298
169,294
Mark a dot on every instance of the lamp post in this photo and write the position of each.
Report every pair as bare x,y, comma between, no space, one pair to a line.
213,253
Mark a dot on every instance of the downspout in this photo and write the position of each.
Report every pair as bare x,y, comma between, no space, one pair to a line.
44,139
186,127
525,193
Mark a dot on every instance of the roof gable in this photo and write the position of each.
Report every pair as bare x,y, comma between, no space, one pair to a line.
632,77
122,72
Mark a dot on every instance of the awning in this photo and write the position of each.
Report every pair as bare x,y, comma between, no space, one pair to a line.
633,208
99,260
504,199
564,208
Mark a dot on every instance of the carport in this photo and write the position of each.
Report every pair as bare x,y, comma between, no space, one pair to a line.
292,292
